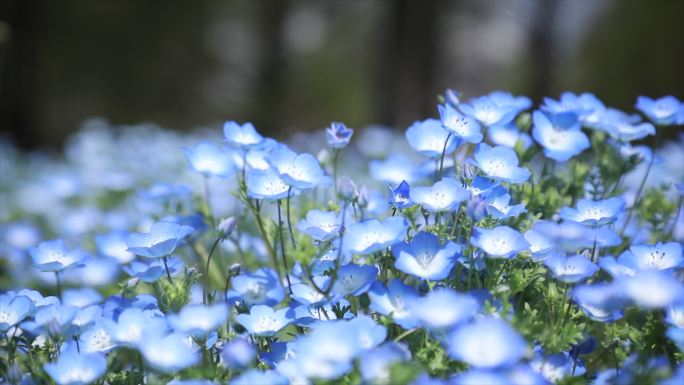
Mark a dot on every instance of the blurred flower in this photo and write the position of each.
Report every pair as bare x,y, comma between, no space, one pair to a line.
594,213
570,269
338,135
54,256
429,138
73,368
487,343
168,354
243,136
262,320
663,111
161,241
199,320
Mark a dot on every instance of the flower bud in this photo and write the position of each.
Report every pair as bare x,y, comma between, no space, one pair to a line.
226,227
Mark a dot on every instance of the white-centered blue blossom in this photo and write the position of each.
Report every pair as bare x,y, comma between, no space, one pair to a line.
135,325
199,320
392,301
169,353
401,195
113,245
499,242
98,337
54,256
210,160
301,171
594,213
509,135
487,343
454,308
353,279
571,269
489,113
238,354
499,207
395,169
464,128
652,289
338,135
559,134
375,365
243,136
369,236
160,241
260,287
425,257
73,368
262,320
13,309
267,184
500,163
661,256
445,195
429,138
321,225
600,302
663,111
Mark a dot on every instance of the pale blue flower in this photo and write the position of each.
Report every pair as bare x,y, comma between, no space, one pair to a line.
238,354
661,256
354,279
500,163
267,184
594,213
169,353
429,138
571,269
559,135
503,98
113,245
375,365
445,195
557,366
199,320
401,195
509,135
254,376
600,302
243,136
541,245
627,132
369,333
499,207
487,112
395,169
425,257
499,242
152,270
487,343
392,301
13,309
463,127
454,308
301,171
54,319
262,320
73,368
321,225
98,337
210,160
260,287
369,236
160,241
587,107
652,289
135,325
663,111
338,135
54,256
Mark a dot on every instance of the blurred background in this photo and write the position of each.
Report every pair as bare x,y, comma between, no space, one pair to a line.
297,65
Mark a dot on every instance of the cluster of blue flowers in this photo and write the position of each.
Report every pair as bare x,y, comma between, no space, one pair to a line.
498,244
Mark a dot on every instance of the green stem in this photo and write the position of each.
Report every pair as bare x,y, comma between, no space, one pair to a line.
282,247
166,266
205,294
289,223
441,159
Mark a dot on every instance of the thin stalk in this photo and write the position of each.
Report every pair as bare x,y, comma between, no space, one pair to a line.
210,212
59,285
264,236
282,247
289,223
166,266
205,293
441,159
336,155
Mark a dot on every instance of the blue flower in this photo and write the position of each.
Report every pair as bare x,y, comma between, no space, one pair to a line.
557,366
627,132
73,368
338,135
401,195
135,325
499,242
372,235
53,319
13,309
254,376
594,213
487,343
375,365
169,353
150,271
199,320
354,279
489,113
301,171
500,163
243,136
54,256
98,337
321,225
258,288
369,333
652,289
503,98
571,269
238,354
509,136
445,195
160,242
541,245
113,245
454,308
395,169
662,256
600,302
587,107
675,316
559,135
498,205
392,301
463,127
425,257
429,138
262,320
267,184
210,160
663,112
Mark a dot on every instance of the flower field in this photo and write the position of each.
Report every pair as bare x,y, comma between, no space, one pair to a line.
500,242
